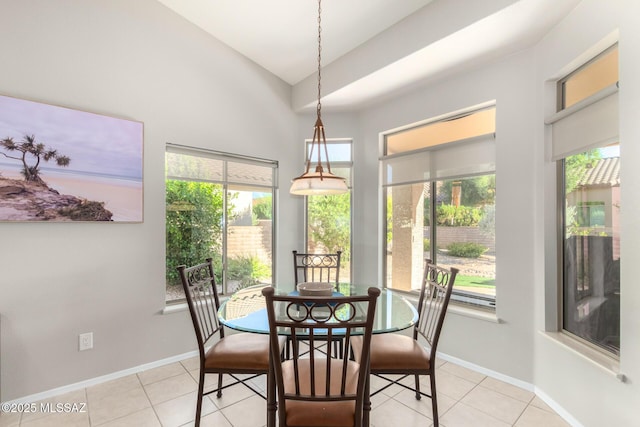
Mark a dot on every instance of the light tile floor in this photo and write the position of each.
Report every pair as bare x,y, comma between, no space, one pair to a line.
165,396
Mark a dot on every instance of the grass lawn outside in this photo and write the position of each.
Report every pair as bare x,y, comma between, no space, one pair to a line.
474,281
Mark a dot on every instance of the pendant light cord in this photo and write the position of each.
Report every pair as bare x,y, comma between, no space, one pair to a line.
320,182
319,107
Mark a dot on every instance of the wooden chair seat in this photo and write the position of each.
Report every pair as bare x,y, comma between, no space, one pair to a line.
321,413
395,353
243,351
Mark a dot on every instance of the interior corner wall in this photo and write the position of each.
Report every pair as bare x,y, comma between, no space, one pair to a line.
589,392
137,60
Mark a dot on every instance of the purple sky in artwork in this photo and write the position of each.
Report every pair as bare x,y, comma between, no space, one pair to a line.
94,143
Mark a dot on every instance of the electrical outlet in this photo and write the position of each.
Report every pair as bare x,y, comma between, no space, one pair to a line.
85,341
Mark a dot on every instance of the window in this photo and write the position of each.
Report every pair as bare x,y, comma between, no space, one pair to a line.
329,217
590,214
439,181
585,146
220,206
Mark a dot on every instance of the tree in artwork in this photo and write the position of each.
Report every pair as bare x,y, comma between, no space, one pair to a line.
31,154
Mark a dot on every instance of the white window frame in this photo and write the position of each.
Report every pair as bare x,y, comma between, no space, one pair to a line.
334,164
464,158
590,123
226,181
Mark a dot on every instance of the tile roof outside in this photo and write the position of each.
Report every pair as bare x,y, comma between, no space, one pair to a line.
604,172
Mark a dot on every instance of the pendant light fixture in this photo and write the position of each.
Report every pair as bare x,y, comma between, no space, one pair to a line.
321,180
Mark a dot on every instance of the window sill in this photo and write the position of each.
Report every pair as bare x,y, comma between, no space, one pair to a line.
604,361
182,306
175,308
474,313
463,310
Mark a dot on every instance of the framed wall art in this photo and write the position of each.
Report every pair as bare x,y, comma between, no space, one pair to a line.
61,164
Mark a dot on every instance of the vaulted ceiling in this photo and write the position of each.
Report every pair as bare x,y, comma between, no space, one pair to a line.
371,48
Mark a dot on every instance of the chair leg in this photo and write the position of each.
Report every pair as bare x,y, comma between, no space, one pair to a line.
338,348
434,400
418,395
272,405
287,349
366,407
199,398
219,393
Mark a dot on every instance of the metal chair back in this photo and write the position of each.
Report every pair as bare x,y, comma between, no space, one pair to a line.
437,285
317,267
200,289
312,377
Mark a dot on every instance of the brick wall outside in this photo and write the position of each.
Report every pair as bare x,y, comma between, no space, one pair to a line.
252,240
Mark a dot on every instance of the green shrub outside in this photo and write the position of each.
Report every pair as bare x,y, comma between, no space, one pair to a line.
427,245
263,208
466,249
461,216
193,230
247,270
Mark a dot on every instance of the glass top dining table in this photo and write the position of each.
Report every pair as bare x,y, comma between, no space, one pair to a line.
245,310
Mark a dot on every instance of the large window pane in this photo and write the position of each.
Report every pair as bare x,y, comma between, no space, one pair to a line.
329,217
465,236
591,274
249,237
193,228
219,206
329,228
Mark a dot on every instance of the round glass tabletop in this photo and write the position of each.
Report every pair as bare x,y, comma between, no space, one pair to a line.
245,310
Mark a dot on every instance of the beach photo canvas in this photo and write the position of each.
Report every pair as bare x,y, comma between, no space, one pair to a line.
62,164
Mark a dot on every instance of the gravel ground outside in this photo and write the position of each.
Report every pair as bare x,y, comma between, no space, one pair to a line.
484,266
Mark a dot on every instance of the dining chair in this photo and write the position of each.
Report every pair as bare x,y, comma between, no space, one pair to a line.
317,389
405,355
318,268
238,353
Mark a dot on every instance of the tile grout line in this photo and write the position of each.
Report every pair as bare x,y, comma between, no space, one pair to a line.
153,408
123,416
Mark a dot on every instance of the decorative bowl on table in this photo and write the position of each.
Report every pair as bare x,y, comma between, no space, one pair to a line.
315,289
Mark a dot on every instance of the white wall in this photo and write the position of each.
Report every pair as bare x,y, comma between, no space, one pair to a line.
138,60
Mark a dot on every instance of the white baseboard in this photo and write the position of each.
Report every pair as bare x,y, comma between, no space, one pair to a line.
518,383
488,372
557,408
104,378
